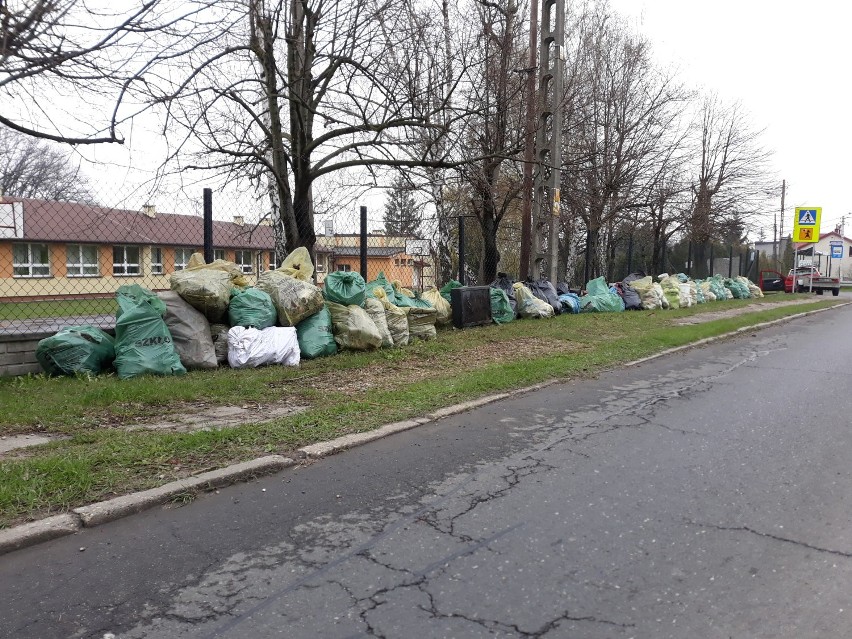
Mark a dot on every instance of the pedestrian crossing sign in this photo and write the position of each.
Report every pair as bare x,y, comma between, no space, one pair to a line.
807,217
806,224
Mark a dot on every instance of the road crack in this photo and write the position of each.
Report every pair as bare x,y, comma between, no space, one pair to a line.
795,542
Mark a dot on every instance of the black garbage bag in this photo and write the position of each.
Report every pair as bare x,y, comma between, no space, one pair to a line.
504,283
631,297
638,275
546,292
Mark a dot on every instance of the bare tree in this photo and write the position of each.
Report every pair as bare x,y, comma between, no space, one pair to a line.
58,55
34,168
619,118
731,180
495,135
296,90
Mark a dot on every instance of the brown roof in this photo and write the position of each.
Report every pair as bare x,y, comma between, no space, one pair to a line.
48,221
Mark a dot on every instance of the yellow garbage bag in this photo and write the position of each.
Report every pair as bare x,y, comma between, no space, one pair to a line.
196,262
445,311
298,264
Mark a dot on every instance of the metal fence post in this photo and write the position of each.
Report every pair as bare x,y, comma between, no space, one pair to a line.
208,225
730,261
689,258
364,242
630,255
461,250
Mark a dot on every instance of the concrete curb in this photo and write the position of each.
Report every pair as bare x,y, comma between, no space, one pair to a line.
112,509
89,516
744,329
37,532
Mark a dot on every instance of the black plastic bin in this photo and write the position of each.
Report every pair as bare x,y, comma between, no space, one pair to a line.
471,306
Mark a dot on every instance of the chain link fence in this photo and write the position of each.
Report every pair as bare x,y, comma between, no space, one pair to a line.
61,263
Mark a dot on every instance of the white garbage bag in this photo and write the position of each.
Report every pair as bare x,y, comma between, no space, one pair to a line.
251,347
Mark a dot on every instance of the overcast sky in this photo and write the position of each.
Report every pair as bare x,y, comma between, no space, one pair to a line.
789,65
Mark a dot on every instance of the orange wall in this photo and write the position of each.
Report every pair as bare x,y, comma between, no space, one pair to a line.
58,259
375,265
105,260
6,259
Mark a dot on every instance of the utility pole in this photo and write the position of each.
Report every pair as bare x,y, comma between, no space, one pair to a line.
781,233
529,145
547,196
775,241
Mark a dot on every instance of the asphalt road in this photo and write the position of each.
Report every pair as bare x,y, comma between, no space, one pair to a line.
701,495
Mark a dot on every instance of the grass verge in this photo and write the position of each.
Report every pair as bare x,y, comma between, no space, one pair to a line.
57,308
109,453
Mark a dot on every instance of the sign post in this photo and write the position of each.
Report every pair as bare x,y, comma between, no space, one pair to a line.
805,229
836,253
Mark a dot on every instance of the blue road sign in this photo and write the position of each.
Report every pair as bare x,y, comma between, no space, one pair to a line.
807,217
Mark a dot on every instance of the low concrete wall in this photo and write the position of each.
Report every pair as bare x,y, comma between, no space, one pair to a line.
17,354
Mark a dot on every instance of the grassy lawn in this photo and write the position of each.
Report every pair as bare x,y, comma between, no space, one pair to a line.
57,308
107,454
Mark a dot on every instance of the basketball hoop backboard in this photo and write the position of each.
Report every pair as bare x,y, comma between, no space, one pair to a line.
417,247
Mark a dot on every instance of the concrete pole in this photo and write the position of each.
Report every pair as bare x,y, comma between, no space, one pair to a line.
529,145
551,71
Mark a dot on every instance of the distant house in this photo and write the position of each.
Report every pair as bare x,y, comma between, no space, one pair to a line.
819,254
56,250
385,253
51,250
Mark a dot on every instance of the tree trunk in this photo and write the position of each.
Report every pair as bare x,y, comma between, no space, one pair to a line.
300,58
593,238
263,47
490,254
700,231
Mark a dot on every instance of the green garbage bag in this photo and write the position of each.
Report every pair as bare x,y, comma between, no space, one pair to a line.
315,335
599,299
501,308
131,294
381,282
739,291
449,286
76,349
717,287
251,307
344,288
143,344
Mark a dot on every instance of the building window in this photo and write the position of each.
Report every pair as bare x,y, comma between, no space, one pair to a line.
219,254
82,260
156,261
273,263
243,259
125,260
346,268
31,260
182,256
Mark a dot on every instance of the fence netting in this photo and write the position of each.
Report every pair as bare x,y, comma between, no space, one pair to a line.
61,263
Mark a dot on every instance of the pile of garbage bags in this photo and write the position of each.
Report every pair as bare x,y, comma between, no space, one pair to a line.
212,317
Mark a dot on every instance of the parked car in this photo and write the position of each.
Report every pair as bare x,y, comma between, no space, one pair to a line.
801,280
